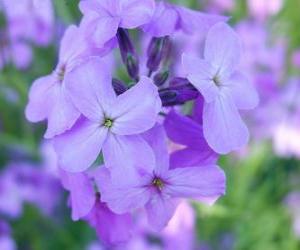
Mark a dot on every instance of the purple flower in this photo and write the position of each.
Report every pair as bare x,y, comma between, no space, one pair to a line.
47,97
175,18
185,131
6,241
85,202
224,88
102,18
159,188
110,123
30,20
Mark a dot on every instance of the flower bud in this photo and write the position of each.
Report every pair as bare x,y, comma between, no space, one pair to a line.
157,51
128,53
118,86
161,78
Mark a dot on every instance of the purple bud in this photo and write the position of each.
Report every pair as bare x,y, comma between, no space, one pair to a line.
158,50
168,96
119,86
178,94
128,53
161,78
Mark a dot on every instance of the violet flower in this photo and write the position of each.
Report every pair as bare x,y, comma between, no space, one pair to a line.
224,88
158,188
47,97
110,123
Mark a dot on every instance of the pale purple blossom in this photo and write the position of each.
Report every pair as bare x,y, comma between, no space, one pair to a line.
111,123
224,88
48,99
158,188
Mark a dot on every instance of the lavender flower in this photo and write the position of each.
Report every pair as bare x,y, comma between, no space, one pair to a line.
110,123
159,188
225,90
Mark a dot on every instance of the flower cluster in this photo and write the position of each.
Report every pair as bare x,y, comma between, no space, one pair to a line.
144,142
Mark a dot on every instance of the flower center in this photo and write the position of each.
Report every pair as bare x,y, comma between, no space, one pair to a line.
108,122
158,183
61,73
216,80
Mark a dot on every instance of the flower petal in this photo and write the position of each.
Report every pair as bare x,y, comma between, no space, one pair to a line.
122,155
120,197
110,227
136,110
201,74
223,49
82,193
160,210
135,13
190,157
40,99
62,115
163,14
223,127
78,148
242,91
196,182
90,88
192,21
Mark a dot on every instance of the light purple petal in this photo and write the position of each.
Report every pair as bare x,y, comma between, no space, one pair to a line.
201,74
135,13
190,157
120,197
110,227
223,127
163,14
63,113
99,29
136,110
78,148
223,49
160,210
157,139
82,193
196,182
40,104
90,88
183,130
192,21
123,154
242,91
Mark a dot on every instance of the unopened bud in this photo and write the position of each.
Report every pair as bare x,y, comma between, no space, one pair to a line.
128,53
161,78
118,86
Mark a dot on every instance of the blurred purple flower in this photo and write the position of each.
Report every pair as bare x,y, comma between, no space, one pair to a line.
224,88
6,241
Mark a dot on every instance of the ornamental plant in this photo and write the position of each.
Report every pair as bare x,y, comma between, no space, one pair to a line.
138,115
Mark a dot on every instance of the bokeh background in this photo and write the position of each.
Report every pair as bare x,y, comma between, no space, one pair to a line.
261,210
